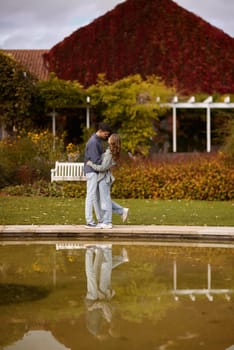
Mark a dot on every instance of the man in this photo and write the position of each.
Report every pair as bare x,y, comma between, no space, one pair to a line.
93,152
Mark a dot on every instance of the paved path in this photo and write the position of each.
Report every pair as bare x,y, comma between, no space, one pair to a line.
119,232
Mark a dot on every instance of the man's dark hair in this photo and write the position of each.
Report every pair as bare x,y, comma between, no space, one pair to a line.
104,127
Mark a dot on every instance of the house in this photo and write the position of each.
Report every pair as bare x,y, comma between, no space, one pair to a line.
32,60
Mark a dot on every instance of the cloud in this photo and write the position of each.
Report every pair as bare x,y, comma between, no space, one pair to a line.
30,24
217,12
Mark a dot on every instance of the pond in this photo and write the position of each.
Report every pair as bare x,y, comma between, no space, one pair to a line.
116,295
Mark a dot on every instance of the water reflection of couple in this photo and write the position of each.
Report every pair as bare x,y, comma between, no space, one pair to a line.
99,264
98,267
99,179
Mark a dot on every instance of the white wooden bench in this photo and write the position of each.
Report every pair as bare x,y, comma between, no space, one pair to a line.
68,171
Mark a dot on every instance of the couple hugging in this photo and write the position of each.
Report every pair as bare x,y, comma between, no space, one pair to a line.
99,178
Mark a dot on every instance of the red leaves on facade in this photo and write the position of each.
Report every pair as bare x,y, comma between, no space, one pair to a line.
148,37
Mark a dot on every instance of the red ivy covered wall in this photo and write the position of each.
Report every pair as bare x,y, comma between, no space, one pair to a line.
148,37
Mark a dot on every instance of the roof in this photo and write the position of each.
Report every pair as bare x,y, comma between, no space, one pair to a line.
31,60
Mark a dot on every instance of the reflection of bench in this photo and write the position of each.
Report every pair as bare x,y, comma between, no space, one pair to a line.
71,245
67,171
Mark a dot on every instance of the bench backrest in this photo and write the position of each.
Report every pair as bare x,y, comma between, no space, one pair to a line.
68,171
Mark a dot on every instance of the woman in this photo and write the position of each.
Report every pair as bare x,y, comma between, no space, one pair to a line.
105,179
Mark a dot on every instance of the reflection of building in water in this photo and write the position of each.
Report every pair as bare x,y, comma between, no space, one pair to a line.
192,293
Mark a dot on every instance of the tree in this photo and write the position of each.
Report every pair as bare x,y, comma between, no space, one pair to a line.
16,91
129,106
58,94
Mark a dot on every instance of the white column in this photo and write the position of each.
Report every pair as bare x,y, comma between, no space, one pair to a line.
208,129
87,113
174,143
209,296
174,276
3,132
208,276
176,298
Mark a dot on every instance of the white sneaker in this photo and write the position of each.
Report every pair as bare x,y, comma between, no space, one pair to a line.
102,225
125,214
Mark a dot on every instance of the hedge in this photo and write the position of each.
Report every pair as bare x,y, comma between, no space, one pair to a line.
201,178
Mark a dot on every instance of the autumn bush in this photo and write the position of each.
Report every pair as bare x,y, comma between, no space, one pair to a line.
202,178
196,178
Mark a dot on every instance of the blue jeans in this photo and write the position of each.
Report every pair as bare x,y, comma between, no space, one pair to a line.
99,264
98,268
107,205
92,199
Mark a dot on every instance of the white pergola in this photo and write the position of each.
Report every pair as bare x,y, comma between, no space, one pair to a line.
192,293
208,104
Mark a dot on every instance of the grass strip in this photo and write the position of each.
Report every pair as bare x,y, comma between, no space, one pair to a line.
52,211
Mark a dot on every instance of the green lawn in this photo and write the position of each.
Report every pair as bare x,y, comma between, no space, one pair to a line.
43,210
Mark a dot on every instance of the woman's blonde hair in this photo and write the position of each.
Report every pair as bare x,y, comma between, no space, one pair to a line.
115,146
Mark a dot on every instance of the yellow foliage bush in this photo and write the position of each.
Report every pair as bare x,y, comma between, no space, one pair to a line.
199,179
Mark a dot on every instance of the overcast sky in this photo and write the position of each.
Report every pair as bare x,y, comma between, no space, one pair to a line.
41,24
